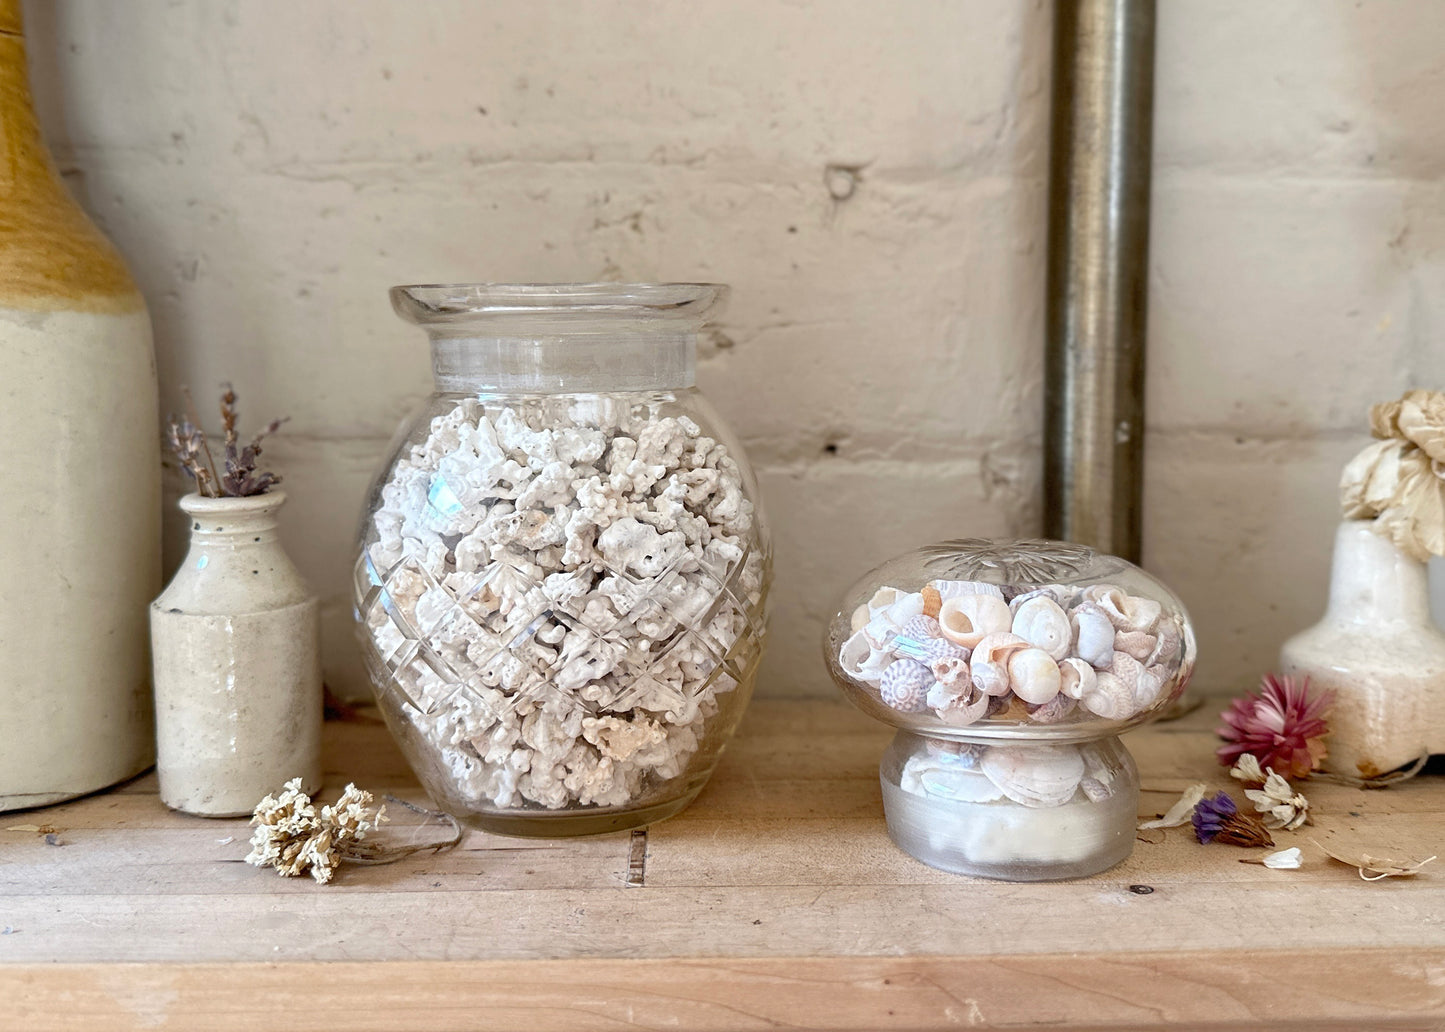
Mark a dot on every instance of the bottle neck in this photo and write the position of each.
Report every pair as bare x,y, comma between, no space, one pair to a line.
234,521
1372,581
571,363
26,171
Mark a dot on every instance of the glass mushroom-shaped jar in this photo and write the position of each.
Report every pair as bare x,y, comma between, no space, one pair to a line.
1010,668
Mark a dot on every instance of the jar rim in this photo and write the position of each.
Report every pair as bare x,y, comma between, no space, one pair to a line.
677,305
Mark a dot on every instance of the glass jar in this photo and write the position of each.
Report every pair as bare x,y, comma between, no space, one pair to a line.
561,586
1010,668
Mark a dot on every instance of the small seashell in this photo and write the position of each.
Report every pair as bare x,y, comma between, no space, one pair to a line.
861,616
860,660
1126,612
921,627
1095,790
948,589
963,754
882,599
1166,648
1151,684
904,685
1059,708
948,670
1139,644
967,619
957,784
1076,678
932,601
1035,775
1110,698
989,662
1042,622
1127,669
1034,676
958,704
1093,635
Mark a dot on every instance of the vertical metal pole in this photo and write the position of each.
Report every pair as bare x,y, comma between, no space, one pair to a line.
1098,258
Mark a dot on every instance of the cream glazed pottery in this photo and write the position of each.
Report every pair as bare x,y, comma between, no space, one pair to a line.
80,505
1379,652
1010,668
237,669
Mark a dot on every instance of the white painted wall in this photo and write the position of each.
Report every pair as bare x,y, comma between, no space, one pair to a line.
270,167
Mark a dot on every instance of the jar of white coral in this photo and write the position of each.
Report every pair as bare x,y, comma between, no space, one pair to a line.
563,569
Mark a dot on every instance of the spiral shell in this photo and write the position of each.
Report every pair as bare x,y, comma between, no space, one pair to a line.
861,661
1042,622
1139,644
904,685
932,601
1110,697
1126,612
1034,676
990,659
1093,635
1076,677
967,619
958,704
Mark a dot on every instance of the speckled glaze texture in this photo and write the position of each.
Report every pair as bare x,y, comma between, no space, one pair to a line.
1378,651
80,468
237,671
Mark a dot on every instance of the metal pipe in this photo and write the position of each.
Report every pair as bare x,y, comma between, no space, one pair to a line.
1098,258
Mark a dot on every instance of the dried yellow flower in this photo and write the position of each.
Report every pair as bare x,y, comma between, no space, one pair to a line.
292,837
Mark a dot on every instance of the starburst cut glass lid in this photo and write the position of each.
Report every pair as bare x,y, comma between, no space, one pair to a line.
979,639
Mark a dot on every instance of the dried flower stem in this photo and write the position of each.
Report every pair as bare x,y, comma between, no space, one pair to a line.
371,853
210,489
1383,781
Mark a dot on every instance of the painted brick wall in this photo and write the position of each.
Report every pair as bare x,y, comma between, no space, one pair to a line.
868,177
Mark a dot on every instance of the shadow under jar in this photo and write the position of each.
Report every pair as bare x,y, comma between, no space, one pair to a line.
561,586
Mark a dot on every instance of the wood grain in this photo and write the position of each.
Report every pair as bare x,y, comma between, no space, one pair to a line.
777,900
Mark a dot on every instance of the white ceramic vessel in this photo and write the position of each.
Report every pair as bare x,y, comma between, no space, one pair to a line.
79,479
1379,652
237,670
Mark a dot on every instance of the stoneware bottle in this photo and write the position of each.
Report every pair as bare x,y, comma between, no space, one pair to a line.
237,668
79,479
1378,651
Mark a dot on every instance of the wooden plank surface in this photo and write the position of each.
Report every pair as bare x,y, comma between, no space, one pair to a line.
777,900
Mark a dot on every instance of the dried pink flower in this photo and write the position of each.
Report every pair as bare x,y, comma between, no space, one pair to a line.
1281,726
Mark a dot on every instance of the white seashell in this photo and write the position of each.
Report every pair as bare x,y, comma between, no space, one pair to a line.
1127,669
1093,635
948,670
1042,622
948,589
1151,684
889,621
882,599
860,660
1061,594
861,616
1139,644
1095,789
958,704
1076,678
1110,698
1035,775
1126,612
967,619
904,685
963,786
1166,648
1057,709
989,662
1034,676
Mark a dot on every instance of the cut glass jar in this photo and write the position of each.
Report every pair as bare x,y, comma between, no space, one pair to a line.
561,584
1010,668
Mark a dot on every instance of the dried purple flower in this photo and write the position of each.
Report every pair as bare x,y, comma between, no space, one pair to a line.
1217,819
241,478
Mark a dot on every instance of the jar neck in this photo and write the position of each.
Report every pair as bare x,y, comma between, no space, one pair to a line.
569,363
26,169
234,521
1372,581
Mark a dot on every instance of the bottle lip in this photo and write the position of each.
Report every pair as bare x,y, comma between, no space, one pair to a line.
526,308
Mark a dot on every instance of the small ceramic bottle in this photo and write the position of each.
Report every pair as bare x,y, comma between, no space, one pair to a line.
1378,651
237,670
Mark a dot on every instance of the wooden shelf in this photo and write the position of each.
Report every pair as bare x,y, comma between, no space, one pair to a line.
776,901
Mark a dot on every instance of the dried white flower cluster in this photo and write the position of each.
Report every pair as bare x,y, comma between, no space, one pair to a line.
566,586
292,837
1283,808
1399,481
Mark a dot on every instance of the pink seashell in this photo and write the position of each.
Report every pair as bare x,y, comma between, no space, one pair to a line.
905,685
1138,644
